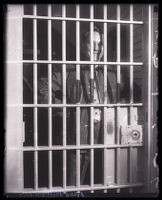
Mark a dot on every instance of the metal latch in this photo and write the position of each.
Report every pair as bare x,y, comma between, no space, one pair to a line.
131,134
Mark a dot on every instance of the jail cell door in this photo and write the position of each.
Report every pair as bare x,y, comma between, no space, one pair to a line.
36,159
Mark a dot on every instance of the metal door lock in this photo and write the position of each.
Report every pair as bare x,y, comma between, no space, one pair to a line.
131,134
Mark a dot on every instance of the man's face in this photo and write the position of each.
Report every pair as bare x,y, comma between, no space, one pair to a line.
96,46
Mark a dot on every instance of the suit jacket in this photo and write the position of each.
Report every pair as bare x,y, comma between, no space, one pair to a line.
78,92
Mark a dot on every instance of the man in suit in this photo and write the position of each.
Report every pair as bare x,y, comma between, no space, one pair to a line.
90,91
85,91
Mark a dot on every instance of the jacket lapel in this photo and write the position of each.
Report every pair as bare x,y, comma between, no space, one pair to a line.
111,85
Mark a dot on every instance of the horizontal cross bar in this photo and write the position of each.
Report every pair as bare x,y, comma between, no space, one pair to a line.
82,19
79,62
73,147
82,188
75,105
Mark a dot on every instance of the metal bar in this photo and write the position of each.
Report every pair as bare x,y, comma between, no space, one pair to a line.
138,64
105,98
78,96
64,91
118,168
92,108
50,168
78,167
50,145
118,66
83,188
77,105
92,169
64,84
64,53
131,84
64,73
50,97
35,101
131,94
81,19
149,109
78,40
118,100
35,170
97,146
35,54
130,168
131,54
105,55
64,170
35,147
49,56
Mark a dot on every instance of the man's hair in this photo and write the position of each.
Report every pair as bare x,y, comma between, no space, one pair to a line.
87,33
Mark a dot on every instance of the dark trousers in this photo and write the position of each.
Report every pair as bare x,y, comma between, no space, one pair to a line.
84,160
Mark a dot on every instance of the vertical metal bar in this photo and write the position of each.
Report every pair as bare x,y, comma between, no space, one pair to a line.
78,96
50,169
130,168
64,91
78,168
64,169
131,93
118,98
35,54
50,96
105,97
35,152
148,150
118,58
131,54
50,145
77,42
35,170
35,101
105,55
92,91
49,55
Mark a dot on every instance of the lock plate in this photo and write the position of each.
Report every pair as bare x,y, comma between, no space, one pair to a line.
131,134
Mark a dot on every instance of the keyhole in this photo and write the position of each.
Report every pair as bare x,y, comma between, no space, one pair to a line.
135,134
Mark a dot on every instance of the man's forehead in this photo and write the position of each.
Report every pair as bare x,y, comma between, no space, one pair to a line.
96,36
